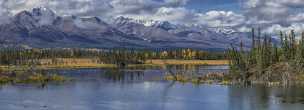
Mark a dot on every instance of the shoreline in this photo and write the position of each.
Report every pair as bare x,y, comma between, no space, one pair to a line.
186,62
148,63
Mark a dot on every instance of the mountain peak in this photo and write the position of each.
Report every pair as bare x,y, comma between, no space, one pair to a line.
42,25
44,16
41,11
166,25
122,20
93,19
23,13
224,30
35,18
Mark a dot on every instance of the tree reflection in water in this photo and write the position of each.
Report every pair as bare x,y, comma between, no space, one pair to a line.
291,95
270,98
122,75
183,70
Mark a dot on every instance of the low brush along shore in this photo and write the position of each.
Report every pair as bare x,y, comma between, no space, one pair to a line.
70,63
20,73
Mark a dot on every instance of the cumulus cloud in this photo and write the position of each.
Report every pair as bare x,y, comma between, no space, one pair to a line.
281,12
171,10
178,15
268,14
4,13
103,8
148,9
276,28
61,7
275,15
221,18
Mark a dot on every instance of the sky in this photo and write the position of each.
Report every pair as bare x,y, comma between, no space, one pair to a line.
208,5
270,15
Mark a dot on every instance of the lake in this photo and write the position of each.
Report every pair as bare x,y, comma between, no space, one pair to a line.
144,89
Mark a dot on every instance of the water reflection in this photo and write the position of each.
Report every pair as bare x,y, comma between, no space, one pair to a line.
249,98
134,89
124,75
189,70
134,74
290,95
266,98
193,70
165,94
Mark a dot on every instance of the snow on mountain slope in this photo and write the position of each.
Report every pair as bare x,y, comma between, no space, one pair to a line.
214,37
41,27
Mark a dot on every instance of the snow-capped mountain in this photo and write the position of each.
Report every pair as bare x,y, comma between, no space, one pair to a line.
41,27
148,23
166,25
164,30
37,17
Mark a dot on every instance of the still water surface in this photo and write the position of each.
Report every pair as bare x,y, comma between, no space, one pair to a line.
142,89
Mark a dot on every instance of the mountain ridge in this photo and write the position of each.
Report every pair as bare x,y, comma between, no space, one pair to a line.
42,28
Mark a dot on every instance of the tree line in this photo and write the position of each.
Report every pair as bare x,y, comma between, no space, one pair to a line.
269,59
17,56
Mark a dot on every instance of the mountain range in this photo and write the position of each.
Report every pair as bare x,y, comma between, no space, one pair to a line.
42,28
